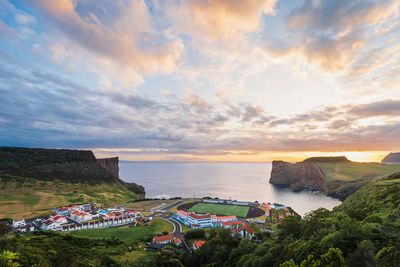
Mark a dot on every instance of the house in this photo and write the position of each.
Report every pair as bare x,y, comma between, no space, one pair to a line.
164,239
232,224
26,228
60,219
197,244
135,213
50,224
200,221
81,216
18,223
244,231
64,211
177,241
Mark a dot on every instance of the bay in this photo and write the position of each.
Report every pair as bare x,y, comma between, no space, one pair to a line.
246,181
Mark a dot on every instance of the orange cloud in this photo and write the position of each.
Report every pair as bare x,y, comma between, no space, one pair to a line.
122,41
219,18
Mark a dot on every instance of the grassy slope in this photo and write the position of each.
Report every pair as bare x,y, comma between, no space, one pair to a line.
381,198
349,172
31,197
220,209
127,233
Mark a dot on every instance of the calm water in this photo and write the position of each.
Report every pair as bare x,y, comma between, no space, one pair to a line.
240,181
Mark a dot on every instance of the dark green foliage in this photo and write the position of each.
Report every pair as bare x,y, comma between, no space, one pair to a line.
196,233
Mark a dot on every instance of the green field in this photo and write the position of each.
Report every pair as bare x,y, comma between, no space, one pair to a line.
27,198
348,172
127,233
220,209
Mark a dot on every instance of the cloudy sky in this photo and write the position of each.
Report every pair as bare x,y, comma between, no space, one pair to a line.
216,80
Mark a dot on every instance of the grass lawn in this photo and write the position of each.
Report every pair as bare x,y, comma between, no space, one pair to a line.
127,233
347,172
220,209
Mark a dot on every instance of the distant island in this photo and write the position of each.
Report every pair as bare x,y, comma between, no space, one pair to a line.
392,158
335,176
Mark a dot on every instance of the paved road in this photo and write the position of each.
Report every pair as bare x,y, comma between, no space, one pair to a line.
173,205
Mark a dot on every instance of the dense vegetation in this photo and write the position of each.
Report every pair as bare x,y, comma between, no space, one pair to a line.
363,231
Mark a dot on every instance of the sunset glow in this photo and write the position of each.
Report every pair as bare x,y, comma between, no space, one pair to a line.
196,80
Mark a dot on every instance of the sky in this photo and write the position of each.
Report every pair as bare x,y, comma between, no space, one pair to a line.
198,80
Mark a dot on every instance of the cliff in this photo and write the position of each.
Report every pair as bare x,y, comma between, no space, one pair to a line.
110,164
335,176
392,158
297,175
73,166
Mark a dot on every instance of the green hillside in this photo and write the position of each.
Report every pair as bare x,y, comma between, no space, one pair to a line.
33,181
353,171
363,231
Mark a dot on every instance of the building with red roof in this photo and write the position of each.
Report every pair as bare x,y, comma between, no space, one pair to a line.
197,244
164,239
244,231
177,241
231,224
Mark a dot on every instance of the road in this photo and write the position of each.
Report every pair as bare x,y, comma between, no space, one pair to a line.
164,214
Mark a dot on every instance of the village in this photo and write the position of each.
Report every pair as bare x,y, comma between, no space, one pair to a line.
94,216
78,217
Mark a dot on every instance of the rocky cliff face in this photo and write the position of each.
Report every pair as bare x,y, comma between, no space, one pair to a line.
74,166
298,175
308,173
110,164
392,158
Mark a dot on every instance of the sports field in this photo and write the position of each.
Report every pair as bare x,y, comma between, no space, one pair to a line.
220,209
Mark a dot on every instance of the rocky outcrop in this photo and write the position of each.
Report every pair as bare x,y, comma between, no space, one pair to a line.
74,166
392,158
298,175
110,164
308,173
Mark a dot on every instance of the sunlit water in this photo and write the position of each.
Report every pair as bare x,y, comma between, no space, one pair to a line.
240,181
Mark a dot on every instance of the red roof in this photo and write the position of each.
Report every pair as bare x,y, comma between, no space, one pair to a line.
177,240
197,217
231,223
199,243
140,219
63,209
181,212
245,227
163,238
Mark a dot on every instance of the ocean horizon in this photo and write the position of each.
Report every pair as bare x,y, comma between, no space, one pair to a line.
246,181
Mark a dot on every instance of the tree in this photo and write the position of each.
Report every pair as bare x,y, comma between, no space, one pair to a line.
290,226
387,256
289,263
333,258
8,259
5,229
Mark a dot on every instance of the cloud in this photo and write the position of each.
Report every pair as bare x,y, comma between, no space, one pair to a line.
118,37
341,37
219,18
381,108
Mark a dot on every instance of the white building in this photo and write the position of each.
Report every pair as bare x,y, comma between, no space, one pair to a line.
18,223
50,224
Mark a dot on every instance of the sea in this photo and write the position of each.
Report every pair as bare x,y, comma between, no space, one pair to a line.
242,181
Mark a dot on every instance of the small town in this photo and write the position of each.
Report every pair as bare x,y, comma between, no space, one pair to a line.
94,216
